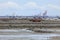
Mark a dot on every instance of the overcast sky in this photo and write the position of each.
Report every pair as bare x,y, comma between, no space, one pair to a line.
29,7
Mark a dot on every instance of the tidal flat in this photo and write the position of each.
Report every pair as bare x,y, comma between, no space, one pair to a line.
23,34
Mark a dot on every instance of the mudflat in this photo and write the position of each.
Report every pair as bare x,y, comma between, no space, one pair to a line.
55,38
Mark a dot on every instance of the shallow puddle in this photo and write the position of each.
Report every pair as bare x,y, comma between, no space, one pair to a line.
31,36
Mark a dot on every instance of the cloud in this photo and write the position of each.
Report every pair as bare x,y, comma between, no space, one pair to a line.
54,6
10,5
31,4
28,5
49,7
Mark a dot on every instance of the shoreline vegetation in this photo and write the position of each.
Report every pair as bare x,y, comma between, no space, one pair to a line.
45,26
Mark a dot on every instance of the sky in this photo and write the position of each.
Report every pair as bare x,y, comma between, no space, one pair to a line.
29,7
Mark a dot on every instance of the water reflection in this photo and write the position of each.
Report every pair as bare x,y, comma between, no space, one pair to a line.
31,36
